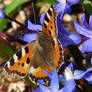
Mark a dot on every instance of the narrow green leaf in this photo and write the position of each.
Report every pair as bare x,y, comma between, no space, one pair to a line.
5,50
14,5
10,9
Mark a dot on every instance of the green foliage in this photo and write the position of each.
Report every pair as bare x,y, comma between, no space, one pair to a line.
10,9
88,5
5,50
39,4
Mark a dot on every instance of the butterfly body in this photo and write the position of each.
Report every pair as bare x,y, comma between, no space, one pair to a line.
44,51
44,54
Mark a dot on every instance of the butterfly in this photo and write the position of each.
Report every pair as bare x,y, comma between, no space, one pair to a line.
43,54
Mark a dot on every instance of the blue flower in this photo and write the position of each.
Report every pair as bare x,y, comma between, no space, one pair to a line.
68,38
70,75
64,6
2,14
86,30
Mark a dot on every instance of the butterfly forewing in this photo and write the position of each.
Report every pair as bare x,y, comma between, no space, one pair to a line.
50,22
20,63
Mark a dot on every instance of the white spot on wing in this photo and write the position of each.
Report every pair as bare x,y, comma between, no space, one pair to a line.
23,52
32,69
51,9
55,40
8,64
48,15
15,58
46,22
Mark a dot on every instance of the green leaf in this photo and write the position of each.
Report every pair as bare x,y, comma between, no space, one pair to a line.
31,83
88,5
5,50
41,3
10,9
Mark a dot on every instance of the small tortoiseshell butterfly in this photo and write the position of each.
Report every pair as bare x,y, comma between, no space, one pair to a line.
46,53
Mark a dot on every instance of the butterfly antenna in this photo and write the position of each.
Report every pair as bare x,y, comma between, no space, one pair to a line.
34,12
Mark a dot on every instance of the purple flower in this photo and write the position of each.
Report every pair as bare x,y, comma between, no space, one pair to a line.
64,6
86,30
68,38
70,75
77,74
2,14
29,37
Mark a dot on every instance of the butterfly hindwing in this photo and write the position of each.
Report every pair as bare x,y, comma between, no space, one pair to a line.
59,58
36,74
20,63
50,22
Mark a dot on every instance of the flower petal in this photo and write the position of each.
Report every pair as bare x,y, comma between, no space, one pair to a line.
40,81
62,1
82,30
90,21
2,14
54,81
70,39
88,77
34,27
44,89
83,20
78,74
29,37
62,78
37,90
87,46
70,66
60,7
54,84
42,18
91,61
66,10
76,38
65,41
71,2
70,86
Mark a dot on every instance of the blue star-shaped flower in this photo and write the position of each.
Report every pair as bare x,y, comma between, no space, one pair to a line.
86,30
71,75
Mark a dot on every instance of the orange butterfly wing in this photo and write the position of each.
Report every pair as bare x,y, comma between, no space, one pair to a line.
20,63
50,22
49,28
38,73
